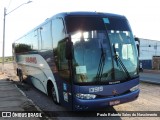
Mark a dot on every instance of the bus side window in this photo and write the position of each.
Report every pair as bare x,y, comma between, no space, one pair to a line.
58,35
62,61
45,36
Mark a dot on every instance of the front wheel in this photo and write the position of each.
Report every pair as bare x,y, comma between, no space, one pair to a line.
53,95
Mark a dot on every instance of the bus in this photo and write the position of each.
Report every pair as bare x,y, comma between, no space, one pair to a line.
82,60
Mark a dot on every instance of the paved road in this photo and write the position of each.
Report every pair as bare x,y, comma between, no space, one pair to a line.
150,77
12,100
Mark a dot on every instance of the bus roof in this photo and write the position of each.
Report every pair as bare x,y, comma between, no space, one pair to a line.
65,14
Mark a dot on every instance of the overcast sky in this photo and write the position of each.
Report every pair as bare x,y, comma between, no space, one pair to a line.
143,15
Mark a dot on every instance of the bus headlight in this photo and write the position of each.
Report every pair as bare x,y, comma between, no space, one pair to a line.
134,88
85,96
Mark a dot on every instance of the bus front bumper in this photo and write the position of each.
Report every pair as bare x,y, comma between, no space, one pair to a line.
81,104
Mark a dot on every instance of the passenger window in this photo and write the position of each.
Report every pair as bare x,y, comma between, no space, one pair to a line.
45,36
32,41
27,43
58,34
58,31
62,61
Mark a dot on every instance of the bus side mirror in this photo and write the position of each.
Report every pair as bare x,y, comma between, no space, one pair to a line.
69,49
138,48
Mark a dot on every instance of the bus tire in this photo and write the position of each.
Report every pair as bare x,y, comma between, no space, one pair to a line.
52,92
20,75
53,95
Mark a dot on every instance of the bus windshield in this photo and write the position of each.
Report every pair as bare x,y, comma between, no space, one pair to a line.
95,58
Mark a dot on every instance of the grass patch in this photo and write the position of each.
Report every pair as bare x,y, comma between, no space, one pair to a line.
7,59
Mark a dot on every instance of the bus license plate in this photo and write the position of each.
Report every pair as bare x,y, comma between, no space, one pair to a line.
114,102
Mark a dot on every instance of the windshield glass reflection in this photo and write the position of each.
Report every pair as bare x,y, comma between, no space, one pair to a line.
88,48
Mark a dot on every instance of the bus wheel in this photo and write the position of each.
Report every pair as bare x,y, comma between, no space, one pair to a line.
20,75
53,95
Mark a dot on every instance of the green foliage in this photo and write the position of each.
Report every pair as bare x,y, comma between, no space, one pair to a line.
7,59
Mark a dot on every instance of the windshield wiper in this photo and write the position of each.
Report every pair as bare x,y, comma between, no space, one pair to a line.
118,60
101,64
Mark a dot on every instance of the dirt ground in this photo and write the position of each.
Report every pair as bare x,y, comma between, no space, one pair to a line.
8,71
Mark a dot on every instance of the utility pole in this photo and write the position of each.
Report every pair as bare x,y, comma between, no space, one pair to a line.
4,23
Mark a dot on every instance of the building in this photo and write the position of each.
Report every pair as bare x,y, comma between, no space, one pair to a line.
149,53
156,62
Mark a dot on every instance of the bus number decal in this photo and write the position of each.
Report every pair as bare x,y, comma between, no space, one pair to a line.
96,89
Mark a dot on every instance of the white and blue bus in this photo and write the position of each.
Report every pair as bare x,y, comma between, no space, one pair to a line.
83,60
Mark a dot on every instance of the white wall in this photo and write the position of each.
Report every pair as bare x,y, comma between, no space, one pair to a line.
149,48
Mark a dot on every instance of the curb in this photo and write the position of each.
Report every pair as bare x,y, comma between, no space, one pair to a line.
38,109
148,81
151,71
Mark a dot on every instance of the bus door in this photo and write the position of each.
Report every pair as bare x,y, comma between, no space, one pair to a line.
63,76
